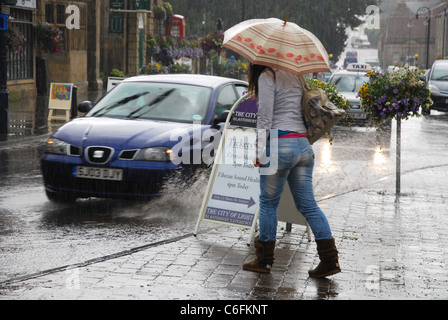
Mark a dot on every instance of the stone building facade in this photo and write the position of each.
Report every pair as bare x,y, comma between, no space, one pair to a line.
99,35
405,37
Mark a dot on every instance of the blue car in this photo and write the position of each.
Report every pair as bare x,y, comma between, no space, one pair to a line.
144,133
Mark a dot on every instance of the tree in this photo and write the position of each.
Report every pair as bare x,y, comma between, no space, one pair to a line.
327,19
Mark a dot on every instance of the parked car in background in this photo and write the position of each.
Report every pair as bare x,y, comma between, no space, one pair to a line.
374,63
437,78
123,146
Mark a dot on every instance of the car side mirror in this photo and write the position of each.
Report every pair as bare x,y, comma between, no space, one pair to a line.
85,106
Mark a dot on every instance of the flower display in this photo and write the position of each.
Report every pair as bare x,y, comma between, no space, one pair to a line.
235,69
157,68
212,41
172,48
169,12
14,38
398,94
160,13
49,37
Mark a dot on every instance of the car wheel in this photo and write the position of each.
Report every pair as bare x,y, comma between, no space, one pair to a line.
59,197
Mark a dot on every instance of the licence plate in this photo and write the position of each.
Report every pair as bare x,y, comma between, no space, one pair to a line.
98,173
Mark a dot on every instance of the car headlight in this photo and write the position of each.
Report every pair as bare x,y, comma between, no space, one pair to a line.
433,89
154,154
57,146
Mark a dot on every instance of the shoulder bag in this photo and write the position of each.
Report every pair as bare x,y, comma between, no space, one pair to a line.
319,113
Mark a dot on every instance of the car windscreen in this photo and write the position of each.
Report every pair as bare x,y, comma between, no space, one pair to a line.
348,82
156,101
440,72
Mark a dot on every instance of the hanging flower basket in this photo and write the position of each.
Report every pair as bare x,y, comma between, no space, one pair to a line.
160,13
212,41
49,38
394,95
15,40
169,13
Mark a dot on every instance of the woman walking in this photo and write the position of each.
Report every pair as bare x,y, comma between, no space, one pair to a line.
279,94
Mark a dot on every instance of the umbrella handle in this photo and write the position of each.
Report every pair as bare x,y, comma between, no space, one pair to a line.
286,19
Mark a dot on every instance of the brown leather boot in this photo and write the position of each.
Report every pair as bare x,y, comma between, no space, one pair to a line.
264,252
328,255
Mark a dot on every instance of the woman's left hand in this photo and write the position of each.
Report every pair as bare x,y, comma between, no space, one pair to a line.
256,162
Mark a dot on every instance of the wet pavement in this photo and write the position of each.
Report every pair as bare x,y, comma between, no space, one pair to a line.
390,247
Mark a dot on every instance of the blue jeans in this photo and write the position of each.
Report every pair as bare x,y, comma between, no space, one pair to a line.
295,165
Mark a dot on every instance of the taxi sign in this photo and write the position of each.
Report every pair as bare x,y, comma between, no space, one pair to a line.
359,67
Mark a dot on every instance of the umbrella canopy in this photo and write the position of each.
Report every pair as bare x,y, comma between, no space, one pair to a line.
278,44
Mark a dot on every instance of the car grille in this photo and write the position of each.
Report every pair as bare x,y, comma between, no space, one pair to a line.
127,154
99,155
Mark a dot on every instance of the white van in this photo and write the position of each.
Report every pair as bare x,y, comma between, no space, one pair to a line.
360,42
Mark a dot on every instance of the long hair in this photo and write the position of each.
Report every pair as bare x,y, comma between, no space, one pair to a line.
255,70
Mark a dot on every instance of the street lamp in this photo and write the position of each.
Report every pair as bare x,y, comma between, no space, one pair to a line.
4,93
428,26
408,56
445,14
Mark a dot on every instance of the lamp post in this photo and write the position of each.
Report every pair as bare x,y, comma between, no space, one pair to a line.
408,56
445,15
4,93
428,26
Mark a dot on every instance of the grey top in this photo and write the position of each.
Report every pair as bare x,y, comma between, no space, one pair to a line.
279,104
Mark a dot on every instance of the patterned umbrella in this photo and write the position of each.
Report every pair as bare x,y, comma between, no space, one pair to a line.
278,44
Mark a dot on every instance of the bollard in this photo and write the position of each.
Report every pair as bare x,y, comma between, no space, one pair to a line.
74,107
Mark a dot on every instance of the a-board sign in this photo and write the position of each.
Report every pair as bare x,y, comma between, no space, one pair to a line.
61,96
112,82
234,195
234,186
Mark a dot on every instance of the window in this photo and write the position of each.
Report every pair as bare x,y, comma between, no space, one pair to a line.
20,65
116,23
241,89
49,16
73,39
226,99
60,14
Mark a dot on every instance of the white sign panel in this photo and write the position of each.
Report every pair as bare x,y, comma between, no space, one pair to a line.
28,4
112,82
234,195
